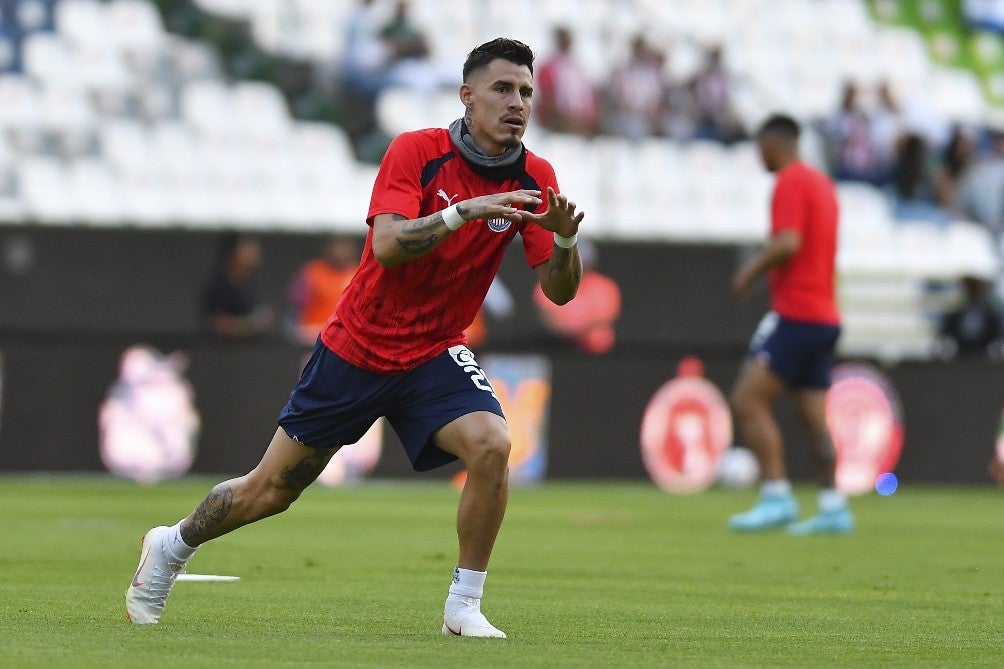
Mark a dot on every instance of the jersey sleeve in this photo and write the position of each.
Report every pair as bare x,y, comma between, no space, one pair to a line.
788,206
398,188
538,242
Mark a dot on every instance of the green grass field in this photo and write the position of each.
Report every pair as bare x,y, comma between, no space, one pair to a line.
583,575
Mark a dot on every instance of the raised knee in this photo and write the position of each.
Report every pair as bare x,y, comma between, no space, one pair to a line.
490,452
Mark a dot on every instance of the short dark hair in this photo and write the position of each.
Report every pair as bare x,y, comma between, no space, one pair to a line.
781,126
507,49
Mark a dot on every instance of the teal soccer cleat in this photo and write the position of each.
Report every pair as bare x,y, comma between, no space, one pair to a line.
769,512
838,521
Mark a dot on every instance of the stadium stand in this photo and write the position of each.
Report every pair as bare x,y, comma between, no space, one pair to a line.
109,118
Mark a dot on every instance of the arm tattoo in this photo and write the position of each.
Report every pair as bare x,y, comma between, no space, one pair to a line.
306,470
208,516
561,261
419,226
559,258
417,246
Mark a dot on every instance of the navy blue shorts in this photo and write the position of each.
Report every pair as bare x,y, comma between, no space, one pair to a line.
800,353
335,402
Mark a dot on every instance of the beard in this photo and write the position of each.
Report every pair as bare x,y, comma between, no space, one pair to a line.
511,140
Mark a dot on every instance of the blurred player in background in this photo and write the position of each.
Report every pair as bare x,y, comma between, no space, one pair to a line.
319,285
231,306
445,205
794,344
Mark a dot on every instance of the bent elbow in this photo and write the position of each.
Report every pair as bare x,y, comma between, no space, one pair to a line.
384,255
562,299
384,260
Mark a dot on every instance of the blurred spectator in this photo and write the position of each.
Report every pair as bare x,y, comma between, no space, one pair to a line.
566,100
852,149
636,95
406,37
231,306
717,118
319,285
977,327
380,57
588,320
886,128
957,161
979,195
366,53
682,117
915,189
362,64
395,54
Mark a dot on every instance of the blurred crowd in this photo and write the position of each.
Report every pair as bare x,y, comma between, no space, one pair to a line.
640,99
933,172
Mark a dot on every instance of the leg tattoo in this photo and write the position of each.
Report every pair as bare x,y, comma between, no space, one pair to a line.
306,470
211,512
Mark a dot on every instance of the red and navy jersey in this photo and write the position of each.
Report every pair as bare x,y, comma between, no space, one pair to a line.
391,320
803,289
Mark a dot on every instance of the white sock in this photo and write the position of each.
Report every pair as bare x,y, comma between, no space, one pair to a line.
468,583
176,546
831,499
776,487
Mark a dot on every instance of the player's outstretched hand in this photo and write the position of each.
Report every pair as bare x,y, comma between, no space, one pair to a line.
500,205
560,216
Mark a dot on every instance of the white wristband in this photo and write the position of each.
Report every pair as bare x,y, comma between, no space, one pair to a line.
566,242
452,218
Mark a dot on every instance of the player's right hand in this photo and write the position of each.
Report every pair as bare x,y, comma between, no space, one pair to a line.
511,206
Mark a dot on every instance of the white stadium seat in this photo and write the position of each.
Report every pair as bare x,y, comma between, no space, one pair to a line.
44,190
19,102
134,26
95,192
82,21
48,59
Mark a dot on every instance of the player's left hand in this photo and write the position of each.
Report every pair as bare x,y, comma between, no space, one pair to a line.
560,215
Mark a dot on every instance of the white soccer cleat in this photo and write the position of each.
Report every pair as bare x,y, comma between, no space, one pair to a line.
147,594
467,620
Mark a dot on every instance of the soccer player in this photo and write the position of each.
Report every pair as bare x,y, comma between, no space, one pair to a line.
793,346
445,205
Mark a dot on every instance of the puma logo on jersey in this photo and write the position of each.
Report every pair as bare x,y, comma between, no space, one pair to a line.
449,200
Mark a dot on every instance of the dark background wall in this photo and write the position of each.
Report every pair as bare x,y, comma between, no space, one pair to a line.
72,299
87,282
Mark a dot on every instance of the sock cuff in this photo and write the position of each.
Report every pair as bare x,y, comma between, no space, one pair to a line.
776,487
175,545
468,583
831,499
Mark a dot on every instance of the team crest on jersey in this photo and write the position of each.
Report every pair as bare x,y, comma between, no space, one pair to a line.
499,224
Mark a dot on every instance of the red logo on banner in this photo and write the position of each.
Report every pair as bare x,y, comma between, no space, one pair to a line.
863,413
685,430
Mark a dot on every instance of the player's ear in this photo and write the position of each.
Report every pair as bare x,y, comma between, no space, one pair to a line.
465,94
